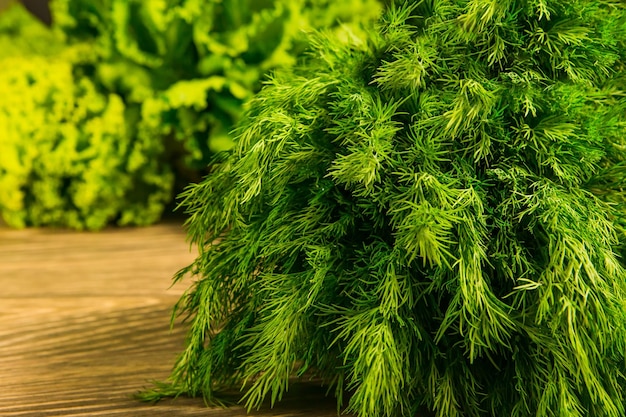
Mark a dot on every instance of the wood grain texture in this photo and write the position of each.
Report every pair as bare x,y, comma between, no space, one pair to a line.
84,324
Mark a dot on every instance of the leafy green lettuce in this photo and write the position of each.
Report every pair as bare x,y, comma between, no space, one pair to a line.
190,65
101,114
67,153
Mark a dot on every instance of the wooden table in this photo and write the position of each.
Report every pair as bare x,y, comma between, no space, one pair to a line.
84,324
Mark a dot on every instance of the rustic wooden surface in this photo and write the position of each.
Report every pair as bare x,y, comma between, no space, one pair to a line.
84,324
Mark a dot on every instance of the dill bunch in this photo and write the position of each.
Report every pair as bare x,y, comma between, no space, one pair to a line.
426,216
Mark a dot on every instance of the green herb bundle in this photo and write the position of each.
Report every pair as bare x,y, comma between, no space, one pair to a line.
426,216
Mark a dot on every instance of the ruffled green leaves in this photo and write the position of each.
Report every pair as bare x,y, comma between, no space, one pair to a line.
66,159
177,74
194,42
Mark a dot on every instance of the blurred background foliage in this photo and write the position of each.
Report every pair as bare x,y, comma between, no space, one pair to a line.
116,106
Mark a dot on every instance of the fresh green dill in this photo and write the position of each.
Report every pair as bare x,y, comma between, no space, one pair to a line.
430,215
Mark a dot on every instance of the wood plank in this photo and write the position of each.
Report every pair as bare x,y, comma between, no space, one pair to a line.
84,324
